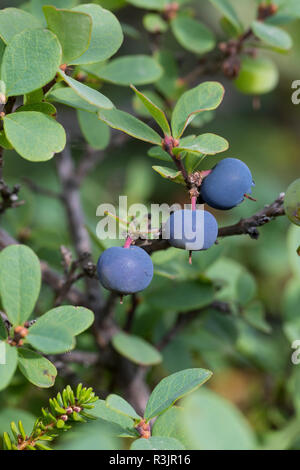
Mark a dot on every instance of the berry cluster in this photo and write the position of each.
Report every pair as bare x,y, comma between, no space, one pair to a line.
129,269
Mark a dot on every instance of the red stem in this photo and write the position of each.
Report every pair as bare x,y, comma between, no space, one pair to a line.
128,242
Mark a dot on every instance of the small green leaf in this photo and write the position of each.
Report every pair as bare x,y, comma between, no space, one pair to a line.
107,35
69,97
193,35
125,424
42,107
4,142
229,13
206,144
96,133
149,4
8,355
118,404
155,23
73,29
157,443
136,349
171,388
50,338
169,424
26,66
74,319
130,125
169,174
35,136
155,111
20,282
88,94
158,152
14,21
272,36
136,69
36,368
36,6
204,97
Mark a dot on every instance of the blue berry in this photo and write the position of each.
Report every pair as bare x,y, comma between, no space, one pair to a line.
191,230
225,187
125,270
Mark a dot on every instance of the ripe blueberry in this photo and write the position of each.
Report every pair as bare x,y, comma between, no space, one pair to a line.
225,187
191,230
125,270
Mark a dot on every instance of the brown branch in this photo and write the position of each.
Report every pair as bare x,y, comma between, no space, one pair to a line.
131,312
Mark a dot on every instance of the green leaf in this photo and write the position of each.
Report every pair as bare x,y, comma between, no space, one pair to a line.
205,144
118,404
193,35
8,355
157,443
50,337
4,142
130,125
213,423
149,4
168,83
158,152
171,388
36,368
169,424
204,97
136,69
69,97
36,6
136,349
35,136
74,319
3,330
181,296
169,174
42,107
229,13
30,61
155,23
107,35
254,314
272,36
14,21
155,111
126,424
20,282
90,95
96,133
73,29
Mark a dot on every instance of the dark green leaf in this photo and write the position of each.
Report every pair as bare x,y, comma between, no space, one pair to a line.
95,131
136,349
155,111
169,174
36,368
158,152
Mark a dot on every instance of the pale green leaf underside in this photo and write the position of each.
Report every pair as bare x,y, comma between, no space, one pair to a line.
34,135
25,66
96,132
36,368
69,97
7,370
13,21
169,173
205,144
50,338
130,125
204,97
118,404
74,319
136,349
171,388
157,443
155,111
272,35
20,282
73,29
125,423
136,69
159,153
107,35
90,95
193,35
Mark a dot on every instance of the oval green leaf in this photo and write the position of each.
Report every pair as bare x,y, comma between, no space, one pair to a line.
205,144
13,21
155,111
50,338
129,124
273,36
36,368
35,136
107,35
69,97
74,319
118,404
20,282
193,35
136,349
73,29
171,388
229,13
204,97
96,132
30,61
8,363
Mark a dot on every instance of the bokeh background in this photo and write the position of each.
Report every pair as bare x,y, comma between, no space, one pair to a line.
251,364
